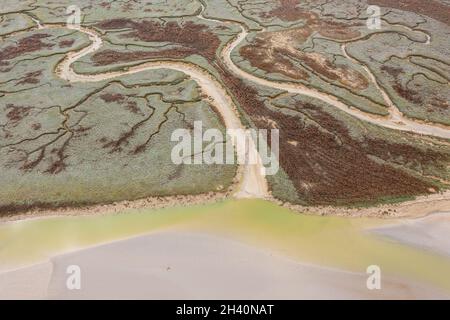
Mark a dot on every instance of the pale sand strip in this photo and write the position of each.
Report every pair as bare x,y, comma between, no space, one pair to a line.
26,283
419,207
179,265
431,233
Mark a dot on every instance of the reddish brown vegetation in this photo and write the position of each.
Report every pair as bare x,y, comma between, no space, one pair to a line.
335,72
288,11
408,94
30,78
192,39
116,145
276,52
120,99
112,97
329,166
58,164
431,8
26,45
105,4
15,114
36,126
393,71
66,43
12,209
124,138
403,91
277,62
108,57
52,153
405,154
133,107
440,103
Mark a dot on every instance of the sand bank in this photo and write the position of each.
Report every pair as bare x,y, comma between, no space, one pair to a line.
182,265
429,233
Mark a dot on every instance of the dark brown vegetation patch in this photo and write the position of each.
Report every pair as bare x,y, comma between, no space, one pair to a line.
133,107
120,99
407,93
26,45
326,164
30,78
288,10
66,43
47,156
36,126
393,71
108,57
405,154
192,39
431,8
15,114
275,52
402,90
112,97
53,154
263,56
440,103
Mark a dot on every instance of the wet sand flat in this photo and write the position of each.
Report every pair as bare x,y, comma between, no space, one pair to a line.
430,233
182,265
26,283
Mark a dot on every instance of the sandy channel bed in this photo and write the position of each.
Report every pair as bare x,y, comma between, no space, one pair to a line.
181,265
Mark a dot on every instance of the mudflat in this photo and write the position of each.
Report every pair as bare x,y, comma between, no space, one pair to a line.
428,233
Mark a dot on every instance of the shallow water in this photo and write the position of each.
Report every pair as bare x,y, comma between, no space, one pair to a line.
326,241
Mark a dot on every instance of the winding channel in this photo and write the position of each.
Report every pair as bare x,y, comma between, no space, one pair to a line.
253,183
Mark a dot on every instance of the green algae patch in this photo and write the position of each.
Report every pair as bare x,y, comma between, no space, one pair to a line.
34,240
